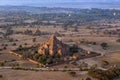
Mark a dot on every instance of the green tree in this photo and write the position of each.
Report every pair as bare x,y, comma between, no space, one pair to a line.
104,45
72,73
34,40
1,76
88,78
1,64
118,40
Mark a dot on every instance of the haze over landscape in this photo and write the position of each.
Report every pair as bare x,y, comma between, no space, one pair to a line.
65,3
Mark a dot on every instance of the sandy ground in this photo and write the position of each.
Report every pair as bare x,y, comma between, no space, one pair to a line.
32,75
114,58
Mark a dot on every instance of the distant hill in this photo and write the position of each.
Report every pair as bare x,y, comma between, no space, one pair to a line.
107,4
104,4
36,9
63,9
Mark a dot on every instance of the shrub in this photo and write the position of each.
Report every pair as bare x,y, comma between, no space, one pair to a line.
1,76
1,64
104,63
118,40
4,48
72,73
88,78
14,44
104,45
109,74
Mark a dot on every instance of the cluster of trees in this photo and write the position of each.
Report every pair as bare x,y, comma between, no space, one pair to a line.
109,74
104,45
87,42
104,63
33,54
73,49
44,59
112,32
59,15
1,64
118,40
1,76
4,46
73,74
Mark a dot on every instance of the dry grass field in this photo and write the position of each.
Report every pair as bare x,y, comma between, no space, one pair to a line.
32,75
113,58
112,54
69,35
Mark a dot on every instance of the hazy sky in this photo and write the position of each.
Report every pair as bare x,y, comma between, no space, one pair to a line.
23,2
